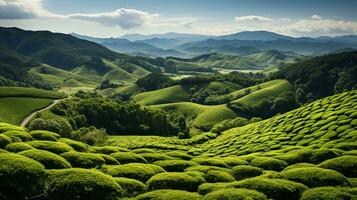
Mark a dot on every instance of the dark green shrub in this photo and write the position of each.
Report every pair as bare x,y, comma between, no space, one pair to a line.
152,157
315,177
299,165
268,163
243,172
347,165
44,135
138,171
206,188
46,158
18,136
278,189
20,177
18,146
126,157
83,160
169,195
110,149
58,125
109,160
346,146
78,146
131,187
232,161
180,155
235,194
54,147
210,162
81,184
4,141
175,180
175,165
327,193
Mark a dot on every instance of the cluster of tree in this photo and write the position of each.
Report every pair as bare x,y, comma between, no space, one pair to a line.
119,117
107,84
322,76
244,79
154,81
205,95
11,75
266,108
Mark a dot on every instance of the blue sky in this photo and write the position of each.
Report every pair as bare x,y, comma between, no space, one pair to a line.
110,18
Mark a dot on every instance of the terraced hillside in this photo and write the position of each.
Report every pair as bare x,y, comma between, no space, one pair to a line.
308,154
16,102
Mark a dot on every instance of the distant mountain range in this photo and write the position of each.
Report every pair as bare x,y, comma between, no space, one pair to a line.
242,43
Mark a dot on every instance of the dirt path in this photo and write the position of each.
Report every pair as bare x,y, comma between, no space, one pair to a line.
28,118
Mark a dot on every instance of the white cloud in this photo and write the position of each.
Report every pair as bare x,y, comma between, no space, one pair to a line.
125,18
321,26
252,18
317,17
23,9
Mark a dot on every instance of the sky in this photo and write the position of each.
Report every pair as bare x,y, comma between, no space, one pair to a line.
113,18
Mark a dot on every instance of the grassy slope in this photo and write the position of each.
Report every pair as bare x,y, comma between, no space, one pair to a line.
16,102
323,123
177,93
14,109
203,115
167,95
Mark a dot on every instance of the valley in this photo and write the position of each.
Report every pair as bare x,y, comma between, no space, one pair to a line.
246,116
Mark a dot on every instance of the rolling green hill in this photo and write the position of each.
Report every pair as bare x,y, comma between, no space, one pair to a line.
308,153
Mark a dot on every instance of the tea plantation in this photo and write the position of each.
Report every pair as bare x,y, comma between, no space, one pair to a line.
309,153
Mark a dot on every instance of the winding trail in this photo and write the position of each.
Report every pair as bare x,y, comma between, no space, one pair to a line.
32,115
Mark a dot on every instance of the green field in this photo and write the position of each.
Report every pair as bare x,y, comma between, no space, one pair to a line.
308,152
14,109
29,92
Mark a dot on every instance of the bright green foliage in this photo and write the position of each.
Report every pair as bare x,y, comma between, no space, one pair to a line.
54,147
175,165
315,177
327,193
167,95
175,180
109,149
299,165
18,136
126,157
83,160
243,172
205,169
109,160
44,135
347,165
131,187
305,126
214,176
29,92
278,189
180,155
84,184
268,163
138,171
144,150
47,159
76,145
18,146
169,195
152,157
308,155
4,140
210,162
20,177
235,194
232,161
